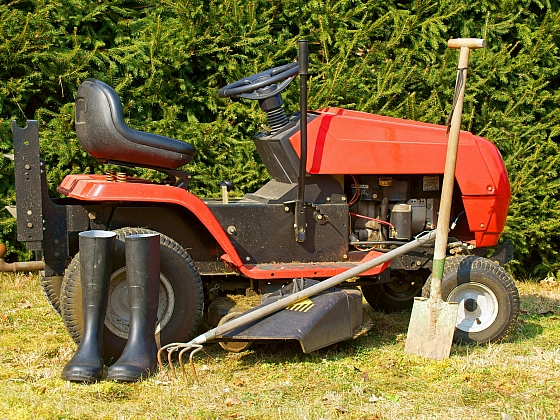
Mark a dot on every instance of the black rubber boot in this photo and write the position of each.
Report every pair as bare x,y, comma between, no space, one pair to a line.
139,357
96,252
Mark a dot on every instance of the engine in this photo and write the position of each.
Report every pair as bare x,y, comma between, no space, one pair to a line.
387,208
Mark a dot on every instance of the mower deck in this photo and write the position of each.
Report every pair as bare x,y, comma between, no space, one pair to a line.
315,322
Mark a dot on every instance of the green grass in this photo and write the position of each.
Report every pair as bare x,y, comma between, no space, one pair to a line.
369,377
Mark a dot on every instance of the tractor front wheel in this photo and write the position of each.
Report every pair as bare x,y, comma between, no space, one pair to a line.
233,346
487,296
399,293
181,297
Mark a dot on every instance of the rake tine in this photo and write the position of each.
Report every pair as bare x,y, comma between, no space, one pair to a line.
171,348
160,363
199,347
170,352
181,361
161,350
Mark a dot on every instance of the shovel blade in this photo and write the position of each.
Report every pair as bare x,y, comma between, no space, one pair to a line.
431,328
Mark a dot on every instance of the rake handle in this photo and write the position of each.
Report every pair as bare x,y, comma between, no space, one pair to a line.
286,301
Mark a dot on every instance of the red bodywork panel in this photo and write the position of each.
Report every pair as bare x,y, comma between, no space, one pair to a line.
95,188
349,142
345,142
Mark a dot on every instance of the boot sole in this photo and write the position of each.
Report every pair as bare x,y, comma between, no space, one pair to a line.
131,377
72,377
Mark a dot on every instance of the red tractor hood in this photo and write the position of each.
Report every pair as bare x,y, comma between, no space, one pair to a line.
342,141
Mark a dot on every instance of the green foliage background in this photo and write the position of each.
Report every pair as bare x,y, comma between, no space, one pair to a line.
167,59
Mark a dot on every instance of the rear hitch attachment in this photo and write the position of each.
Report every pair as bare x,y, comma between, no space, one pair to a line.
18,266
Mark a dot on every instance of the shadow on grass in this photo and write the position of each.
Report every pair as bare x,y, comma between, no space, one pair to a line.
378,330
385,330
539,304
535,309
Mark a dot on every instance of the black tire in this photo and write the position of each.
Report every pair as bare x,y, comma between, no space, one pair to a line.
233,346
397,295
487,296
181,297
51,289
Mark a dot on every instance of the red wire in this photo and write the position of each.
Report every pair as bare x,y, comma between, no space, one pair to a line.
371,218
357,193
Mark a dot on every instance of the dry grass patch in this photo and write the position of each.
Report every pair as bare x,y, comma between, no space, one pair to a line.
366,378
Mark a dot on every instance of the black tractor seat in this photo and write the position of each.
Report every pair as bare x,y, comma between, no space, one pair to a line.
102,132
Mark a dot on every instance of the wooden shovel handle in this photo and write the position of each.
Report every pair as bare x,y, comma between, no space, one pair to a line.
471,43
444,216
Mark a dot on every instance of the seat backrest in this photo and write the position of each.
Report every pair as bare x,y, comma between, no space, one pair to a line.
103,133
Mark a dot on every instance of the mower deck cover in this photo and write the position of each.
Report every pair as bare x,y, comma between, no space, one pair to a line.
317,322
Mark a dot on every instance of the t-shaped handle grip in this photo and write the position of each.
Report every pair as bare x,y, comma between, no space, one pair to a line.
472,43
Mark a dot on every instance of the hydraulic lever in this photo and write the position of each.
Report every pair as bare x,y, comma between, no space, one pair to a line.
300,225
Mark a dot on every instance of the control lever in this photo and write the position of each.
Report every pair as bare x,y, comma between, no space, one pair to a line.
227,186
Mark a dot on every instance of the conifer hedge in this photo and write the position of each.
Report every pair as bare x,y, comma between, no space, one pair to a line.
167,59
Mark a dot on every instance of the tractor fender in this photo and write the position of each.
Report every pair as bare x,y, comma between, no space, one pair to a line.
95,188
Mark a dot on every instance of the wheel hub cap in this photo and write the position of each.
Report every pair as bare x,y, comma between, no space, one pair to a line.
401,291
118,312
470,305
478,306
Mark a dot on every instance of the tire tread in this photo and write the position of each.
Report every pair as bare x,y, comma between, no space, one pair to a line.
69,289
49,291
454,266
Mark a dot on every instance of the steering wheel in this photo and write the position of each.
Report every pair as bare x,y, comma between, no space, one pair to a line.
252,87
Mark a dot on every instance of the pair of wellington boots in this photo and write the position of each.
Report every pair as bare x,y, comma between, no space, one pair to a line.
138,360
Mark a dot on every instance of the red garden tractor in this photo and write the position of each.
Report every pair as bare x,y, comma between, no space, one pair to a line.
366,185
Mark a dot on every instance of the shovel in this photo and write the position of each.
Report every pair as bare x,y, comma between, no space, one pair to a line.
432,322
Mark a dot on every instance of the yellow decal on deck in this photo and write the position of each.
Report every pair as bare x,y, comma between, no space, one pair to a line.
301,306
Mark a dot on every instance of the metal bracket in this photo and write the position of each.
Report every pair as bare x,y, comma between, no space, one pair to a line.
182,178
27,168
504,253
300,225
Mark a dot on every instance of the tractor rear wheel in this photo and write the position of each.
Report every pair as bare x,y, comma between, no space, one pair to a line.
51,289
181,297
397,295
487,296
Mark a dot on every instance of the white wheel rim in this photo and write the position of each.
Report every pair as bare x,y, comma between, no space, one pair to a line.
118,313
478,306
